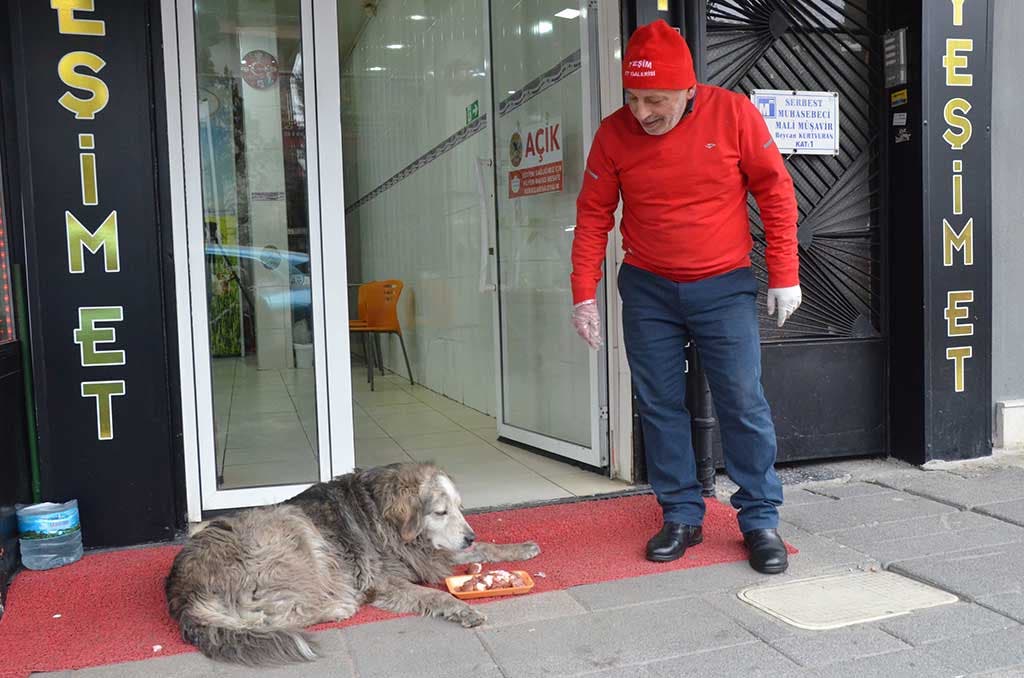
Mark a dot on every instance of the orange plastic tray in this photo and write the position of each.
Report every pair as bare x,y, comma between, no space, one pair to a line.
456,581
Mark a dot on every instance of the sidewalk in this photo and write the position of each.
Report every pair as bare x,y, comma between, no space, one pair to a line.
959,527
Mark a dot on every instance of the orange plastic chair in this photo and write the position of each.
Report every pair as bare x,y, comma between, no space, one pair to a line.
377,310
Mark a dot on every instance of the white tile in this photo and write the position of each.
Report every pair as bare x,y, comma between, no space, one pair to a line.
380,457
433,441
583,483
393,397
378,411
276,473
411,424
272,430
467,456
486,492
365,427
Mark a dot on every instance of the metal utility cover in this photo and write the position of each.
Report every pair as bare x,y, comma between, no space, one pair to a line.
834,601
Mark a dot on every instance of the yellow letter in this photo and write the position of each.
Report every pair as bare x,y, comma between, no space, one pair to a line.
951,114
87,335
958,12
84,109
958,354
68,24
952,61
962,241
954,313
103,392
80,239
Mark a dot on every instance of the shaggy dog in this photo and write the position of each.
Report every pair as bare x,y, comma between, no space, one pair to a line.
243,588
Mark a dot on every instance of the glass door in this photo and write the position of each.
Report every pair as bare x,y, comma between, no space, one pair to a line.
552,388
255,244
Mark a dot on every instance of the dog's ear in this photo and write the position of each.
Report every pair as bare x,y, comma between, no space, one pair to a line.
409,517
403,504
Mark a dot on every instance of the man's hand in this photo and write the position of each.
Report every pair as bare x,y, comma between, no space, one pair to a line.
587,322
786,300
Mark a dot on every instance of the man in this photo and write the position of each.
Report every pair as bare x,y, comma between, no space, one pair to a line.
683,156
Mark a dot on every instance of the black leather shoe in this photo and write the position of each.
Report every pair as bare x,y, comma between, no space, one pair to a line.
671,541
767,551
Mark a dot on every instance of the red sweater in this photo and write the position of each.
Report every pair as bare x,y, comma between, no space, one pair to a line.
684,195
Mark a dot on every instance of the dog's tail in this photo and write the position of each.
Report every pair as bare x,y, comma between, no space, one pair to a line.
225,637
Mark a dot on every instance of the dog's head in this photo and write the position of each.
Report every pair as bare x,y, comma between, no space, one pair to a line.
421,500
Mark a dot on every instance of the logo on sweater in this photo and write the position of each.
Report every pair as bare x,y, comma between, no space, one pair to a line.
709,146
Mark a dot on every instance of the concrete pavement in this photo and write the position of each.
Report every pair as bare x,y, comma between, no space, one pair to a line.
958,527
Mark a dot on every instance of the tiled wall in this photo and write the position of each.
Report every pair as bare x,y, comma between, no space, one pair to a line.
398,104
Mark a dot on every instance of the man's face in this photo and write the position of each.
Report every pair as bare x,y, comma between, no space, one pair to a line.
658,110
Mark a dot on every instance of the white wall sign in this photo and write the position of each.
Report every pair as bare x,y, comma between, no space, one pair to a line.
535,153
801,122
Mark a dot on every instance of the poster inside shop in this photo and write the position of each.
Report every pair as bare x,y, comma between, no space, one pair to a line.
535,155
806,123
220,214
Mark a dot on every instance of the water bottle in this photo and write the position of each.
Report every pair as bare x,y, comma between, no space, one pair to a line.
51,534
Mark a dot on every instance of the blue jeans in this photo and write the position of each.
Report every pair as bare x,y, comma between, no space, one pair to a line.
719,313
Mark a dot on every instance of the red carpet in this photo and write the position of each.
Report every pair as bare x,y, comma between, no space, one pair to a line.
110,608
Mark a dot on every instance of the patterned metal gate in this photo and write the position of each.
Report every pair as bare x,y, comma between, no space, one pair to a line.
825,372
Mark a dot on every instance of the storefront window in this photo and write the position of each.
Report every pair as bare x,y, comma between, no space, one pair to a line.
257,241
6,289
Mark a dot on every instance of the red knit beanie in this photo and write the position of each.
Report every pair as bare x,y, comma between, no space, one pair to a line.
657,57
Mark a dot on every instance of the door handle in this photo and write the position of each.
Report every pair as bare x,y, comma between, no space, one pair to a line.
486,207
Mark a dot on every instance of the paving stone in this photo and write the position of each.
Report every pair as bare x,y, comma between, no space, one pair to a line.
658,587
818,553
418,647
521,609
915,663
612,639
750,660
829,647
1010,604
176,666
946,622
755,621
1010,511
800,497
985,486
970,574
848,490
1000,650
845,514
929,536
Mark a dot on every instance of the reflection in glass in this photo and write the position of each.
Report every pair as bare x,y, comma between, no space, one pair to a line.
256,236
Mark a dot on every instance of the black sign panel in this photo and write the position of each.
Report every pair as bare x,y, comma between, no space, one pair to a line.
957,81
85,89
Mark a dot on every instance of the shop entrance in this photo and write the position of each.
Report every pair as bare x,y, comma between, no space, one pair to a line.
433,150
465,129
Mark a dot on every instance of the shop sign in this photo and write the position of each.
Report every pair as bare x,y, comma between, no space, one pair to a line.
957,183
535,156
88,122
800,122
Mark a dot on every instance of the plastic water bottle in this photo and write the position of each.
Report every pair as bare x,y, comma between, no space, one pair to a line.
50,534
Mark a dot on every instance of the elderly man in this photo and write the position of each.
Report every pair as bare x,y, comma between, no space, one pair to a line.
683,157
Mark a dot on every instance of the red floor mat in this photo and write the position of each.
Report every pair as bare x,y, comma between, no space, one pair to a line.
109,608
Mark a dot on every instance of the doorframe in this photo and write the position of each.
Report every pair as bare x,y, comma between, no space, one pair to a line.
600,393
331,347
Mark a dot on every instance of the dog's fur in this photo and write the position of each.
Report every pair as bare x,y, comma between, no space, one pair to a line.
244,587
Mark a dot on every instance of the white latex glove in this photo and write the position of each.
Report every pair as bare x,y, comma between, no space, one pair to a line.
587,322
786,300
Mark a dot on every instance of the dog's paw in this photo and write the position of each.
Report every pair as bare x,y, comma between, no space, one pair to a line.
470,618
529,550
